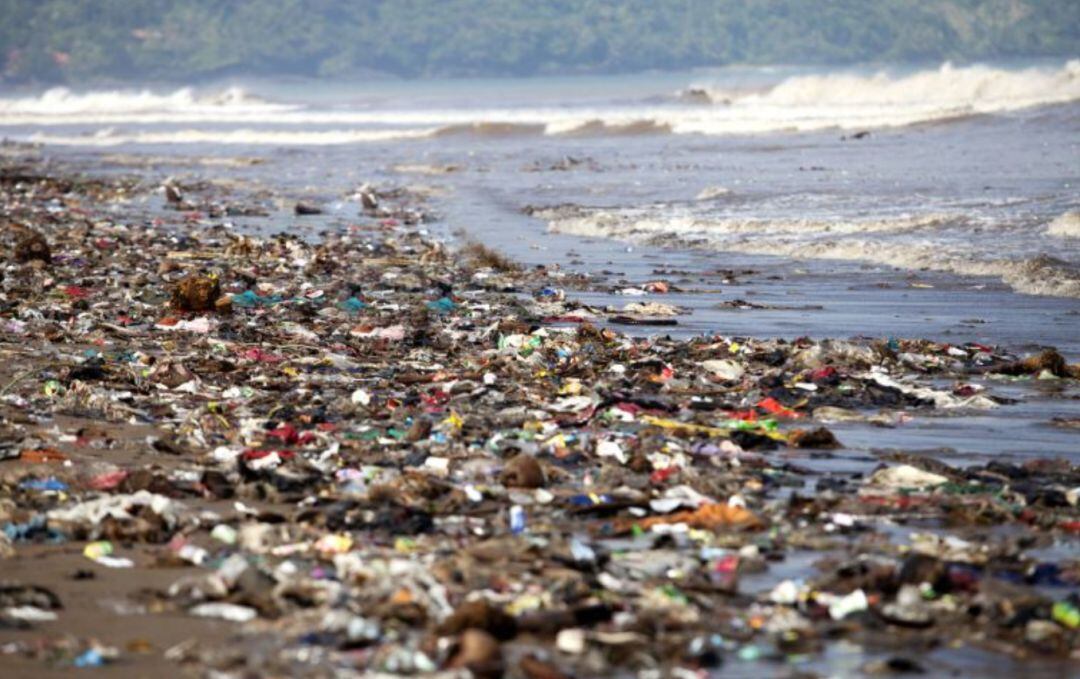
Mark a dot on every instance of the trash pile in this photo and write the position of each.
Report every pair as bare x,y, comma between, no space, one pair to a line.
372,453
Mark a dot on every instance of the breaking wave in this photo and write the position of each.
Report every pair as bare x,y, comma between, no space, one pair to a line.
1065,226
60,102
945,91
298,136
599,127
490,129
797,104
913,242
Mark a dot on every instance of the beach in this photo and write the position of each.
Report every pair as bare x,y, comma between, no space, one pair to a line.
545,377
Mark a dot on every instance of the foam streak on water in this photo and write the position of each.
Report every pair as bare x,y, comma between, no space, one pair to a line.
935,242
235,137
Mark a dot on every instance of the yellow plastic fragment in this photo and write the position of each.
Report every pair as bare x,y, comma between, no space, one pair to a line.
718,432
454,420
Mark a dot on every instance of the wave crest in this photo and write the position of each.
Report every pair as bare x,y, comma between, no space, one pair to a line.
61,101
801,104
1066,225
973,89
490,129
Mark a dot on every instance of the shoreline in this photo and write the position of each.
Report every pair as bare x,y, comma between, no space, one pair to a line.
330,437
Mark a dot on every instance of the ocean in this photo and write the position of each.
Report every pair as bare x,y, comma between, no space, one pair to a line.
966,170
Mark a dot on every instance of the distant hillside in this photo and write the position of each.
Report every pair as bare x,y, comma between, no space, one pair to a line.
70,41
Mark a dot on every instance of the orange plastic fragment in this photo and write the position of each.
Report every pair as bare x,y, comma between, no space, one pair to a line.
774,407
706,517
401,596
42,455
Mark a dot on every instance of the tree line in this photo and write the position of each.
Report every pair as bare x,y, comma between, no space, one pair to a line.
73,41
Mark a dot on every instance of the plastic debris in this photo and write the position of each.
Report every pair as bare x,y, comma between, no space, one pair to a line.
905,476
383,455
230,612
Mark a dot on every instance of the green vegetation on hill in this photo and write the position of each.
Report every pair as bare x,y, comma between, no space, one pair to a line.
75,40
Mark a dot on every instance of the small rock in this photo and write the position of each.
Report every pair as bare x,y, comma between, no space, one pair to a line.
419,431
523,471
894,665
167,266
196,293
480,615
535,668
919,568
302,209
813,438
479,653
32,247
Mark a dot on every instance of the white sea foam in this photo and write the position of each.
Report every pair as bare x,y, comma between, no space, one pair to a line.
804,103
713,192
908,242
240,137
848,101
1066,225
943,91
61,103
643,223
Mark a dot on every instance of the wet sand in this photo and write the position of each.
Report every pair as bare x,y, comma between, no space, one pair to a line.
104,607
668,410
